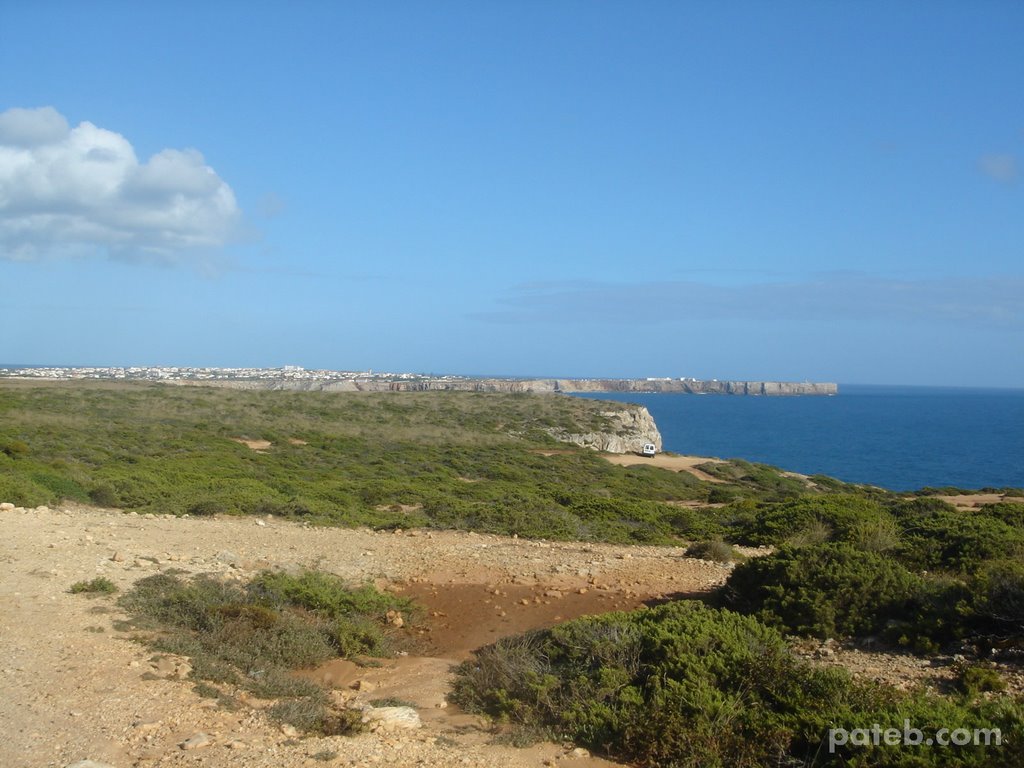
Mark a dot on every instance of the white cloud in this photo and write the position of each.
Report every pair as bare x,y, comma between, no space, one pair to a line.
1000,167
79,190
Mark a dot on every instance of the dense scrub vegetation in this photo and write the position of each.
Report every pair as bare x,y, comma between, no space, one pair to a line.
444,459
687,685
252,636
917,572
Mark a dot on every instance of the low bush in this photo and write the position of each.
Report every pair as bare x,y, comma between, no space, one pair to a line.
957,540
809,520
101,585
714,549
252,636
976,678
684,685
825,590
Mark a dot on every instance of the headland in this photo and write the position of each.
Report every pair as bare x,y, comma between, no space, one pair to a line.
296,378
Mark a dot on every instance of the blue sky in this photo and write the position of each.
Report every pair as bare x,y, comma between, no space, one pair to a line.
819,190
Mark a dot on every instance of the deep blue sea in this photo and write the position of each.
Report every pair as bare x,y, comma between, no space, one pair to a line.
900,438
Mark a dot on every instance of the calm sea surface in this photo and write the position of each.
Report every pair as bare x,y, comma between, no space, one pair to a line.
900,438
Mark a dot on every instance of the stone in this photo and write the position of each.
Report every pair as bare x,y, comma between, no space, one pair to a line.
88,764
579,752
389,718
6,506
172,667
228,558
290,731
197,741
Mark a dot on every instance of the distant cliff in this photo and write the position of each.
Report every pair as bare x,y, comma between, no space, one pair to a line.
697,387
458,384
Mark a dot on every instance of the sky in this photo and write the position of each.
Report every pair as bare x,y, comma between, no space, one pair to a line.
825,191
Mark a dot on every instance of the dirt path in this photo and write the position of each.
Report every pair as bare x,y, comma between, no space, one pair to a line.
667,461
76,688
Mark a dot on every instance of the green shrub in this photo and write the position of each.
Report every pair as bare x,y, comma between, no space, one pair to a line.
104,495
313,715
809,520
326,594
24,492
825,590
713,549
998,597
684,685
977,678
957,540
1010,512
254,635
14,448
101,585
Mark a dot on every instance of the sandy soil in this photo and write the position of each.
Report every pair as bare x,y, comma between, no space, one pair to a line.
256,445
974,500
667,461
77,688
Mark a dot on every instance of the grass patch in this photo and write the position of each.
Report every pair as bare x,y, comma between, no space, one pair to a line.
253,636
101,585
715,550
392,701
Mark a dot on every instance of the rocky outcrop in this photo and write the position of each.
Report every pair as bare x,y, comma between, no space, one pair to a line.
628,430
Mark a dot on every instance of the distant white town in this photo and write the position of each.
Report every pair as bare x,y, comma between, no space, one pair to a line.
298,378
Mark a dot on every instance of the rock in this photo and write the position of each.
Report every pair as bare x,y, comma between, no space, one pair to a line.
6,506
197,741
364,685
117,557
237,744
174,667
388,718
629,429
290,731
228,558
579,752
88,764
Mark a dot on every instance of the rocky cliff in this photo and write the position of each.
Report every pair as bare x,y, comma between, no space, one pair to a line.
628,429
455,384
697,386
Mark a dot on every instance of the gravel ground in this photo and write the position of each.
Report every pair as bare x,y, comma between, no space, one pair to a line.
76,688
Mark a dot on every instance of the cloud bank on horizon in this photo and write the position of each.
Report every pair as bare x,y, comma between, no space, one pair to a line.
970,302
79,191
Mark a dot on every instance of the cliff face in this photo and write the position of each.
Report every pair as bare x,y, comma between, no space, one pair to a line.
629,429
697,387
443,384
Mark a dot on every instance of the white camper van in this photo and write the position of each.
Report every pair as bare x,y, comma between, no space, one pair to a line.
648,450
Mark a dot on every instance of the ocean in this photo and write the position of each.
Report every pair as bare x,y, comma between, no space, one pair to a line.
900,438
